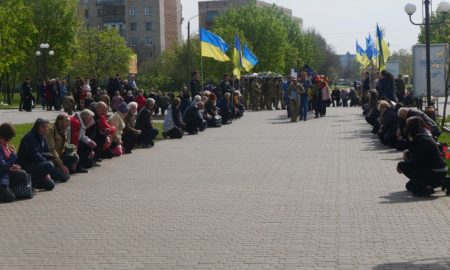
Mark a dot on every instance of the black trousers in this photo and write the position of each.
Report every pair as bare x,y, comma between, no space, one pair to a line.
83,153
129,140
175,133
419,179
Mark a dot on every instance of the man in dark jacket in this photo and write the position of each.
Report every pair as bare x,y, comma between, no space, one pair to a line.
224,86
193,118
423,163
400,88
26,97
32,159
195,86
406,113
386,86
144,124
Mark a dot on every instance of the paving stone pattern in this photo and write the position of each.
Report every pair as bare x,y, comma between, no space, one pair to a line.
261,193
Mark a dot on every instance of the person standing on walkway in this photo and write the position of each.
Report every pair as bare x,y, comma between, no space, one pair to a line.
294,91
386,86
195,86
307,84
400,87
26,97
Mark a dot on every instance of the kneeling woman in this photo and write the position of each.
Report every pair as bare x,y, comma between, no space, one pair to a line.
423,163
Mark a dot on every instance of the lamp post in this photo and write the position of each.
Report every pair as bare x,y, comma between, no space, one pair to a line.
410,9
43,47
189,45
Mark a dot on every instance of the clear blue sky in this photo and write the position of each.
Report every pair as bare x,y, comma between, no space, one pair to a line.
342,22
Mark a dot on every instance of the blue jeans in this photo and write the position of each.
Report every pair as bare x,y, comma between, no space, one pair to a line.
303,107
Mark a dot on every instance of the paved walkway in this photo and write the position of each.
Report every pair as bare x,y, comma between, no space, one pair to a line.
261,193
17,117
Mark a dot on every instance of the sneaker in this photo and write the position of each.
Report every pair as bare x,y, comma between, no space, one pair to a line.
6,195
81,170
47,185
425,193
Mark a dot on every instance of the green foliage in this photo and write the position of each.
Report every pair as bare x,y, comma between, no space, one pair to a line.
171,71
265,30
405,59
57,23
440,33
15,30
101,53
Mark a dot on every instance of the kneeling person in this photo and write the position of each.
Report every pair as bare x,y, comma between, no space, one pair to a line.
423,163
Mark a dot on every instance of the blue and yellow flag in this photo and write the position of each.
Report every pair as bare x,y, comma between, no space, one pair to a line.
249,60
361,56
213,46
237,58
383,49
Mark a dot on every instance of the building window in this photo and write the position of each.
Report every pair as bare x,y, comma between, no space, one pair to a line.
133,41
132,12
147,11
148,41
211,15
148,26
133,27
100,12
86,13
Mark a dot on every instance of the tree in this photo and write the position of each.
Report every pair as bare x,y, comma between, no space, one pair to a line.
57,23
101,53
15,40
405,59
439,33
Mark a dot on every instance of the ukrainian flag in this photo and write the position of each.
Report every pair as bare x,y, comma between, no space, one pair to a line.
383,49
237,58
213,46
249,60
361,56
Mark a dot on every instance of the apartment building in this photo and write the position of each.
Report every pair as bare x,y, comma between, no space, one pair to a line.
148,26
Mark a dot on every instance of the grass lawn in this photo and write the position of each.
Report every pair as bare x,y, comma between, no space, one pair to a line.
22,129
14,102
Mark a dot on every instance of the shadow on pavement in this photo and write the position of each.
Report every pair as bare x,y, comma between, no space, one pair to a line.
404,197
435,264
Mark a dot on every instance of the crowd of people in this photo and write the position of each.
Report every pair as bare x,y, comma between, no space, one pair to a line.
112,124
410,130
100,124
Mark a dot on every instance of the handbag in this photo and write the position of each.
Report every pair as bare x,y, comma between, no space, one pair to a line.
24,190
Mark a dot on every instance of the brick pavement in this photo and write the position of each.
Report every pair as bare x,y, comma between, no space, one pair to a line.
261,193
16,117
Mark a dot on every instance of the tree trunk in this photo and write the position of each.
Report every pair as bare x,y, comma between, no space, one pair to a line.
446,99
8,89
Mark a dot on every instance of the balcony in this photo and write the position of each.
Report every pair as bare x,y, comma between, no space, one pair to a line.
113,19
110,2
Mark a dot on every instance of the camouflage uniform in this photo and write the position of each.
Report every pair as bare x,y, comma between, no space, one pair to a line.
68,104
279,94
255,94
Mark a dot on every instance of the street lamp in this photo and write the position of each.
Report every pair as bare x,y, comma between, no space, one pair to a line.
410,9
44,47
189,45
